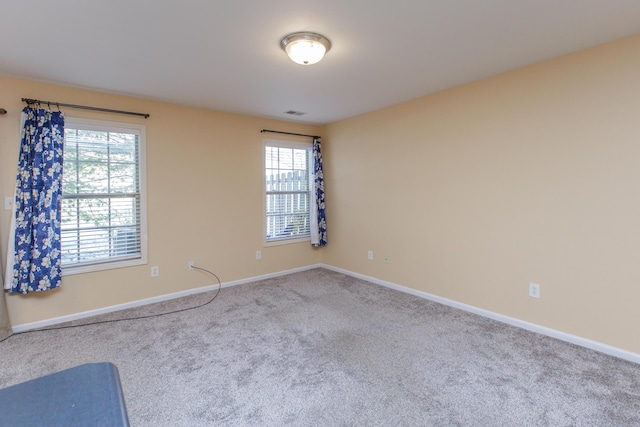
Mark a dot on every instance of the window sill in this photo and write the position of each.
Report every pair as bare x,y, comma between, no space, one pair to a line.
287,241
69,271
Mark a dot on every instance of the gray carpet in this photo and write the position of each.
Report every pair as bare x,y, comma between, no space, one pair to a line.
322,348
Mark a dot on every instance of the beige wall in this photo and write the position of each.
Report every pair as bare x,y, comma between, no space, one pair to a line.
204,182
528,176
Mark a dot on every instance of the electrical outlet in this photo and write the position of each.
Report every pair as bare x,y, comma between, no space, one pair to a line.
258,254
190,265
386,259
534,290
370,255
8,203
155,271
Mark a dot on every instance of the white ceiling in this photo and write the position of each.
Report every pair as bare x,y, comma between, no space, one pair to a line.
225,55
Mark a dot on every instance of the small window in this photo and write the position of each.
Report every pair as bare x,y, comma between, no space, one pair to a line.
287,191
103,196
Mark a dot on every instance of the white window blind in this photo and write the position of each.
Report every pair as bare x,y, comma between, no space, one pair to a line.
287,190
103,209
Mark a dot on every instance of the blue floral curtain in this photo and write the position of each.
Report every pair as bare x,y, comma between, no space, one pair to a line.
35,263
318,222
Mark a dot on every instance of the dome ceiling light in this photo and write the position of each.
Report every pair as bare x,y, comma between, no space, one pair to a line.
305,48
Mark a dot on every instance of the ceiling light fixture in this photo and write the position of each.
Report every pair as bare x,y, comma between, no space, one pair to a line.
305,48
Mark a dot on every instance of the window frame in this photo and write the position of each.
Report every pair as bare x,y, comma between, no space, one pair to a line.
117,127
308,147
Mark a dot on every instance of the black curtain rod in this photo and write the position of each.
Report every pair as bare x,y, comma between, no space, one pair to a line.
290,133
82,107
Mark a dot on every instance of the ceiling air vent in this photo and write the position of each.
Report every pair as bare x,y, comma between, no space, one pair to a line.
295,113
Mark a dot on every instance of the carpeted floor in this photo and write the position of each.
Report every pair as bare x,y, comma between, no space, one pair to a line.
322,348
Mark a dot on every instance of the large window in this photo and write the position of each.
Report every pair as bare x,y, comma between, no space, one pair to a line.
103,196
287,191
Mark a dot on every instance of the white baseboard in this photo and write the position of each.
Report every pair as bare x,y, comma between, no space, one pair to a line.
76,316
573,339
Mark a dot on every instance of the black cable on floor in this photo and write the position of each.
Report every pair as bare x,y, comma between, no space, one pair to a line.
127,318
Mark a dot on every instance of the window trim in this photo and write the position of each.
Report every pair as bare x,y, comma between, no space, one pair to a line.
109,126
282,144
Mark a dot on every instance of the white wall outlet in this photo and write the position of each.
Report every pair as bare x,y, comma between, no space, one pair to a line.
190,265
386,259
534,290
370,255
8,203
155,271
258,254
